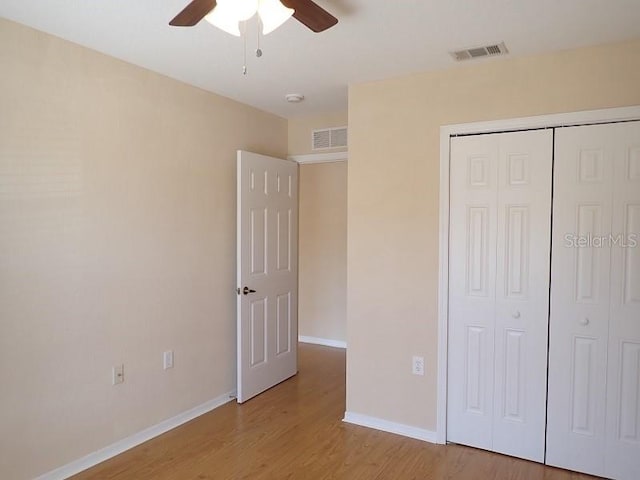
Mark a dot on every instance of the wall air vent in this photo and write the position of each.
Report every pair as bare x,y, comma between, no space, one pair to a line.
329,138
479,52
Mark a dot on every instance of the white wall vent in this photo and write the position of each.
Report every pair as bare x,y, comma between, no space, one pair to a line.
479,52
329,138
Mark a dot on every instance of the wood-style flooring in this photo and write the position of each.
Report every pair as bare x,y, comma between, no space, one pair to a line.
295,431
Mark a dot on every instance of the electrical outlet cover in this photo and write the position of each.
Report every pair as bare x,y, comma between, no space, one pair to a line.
418,365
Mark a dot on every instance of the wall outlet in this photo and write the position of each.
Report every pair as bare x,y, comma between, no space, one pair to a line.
118,374
167,359
417,367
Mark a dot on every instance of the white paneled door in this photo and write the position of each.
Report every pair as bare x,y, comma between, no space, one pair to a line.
594,349
500,214
267,275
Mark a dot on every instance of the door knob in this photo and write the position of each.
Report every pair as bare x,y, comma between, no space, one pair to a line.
247,291
516,314
584,322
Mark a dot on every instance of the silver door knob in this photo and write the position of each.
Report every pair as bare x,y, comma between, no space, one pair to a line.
516,314
584,322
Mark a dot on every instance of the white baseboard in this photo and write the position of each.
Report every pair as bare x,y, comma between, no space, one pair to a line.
322,341
391,427
134,440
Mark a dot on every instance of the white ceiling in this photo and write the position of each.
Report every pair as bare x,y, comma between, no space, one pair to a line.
374,39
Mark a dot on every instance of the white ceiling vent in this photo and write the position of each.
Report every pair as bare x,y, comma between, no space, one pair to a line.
329,138
479,52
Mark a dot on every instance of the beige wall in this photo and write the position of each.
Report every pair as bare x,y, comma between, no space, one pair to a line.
323,251
300,130
323,233
117,242
393,202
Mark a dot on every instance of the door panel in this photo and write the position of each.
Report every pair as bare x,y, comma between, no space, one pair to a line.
623,387
474,183
631,256
522,293
583,388
588,271
580,291
594,369
258,331
475,377
267,263
498,306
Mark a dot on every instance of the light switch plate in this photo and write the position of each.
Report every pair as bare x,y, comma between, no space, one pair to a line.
167,359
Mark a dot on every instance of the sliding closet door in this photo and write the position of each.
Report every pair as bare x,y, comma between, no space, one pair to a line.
498,292
594,350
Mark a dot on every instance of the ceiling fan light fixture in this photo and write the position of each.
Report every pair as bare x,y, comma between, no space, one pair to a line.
239,10
222,18
273,14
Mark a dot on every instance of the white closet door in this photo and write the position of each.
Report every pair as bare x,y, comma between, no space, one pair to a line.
498,293
578,329
622,459
472,279
522,293
594,350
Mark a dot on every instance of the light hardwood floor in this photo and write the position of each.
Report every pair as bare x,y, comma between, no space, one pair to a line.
295,431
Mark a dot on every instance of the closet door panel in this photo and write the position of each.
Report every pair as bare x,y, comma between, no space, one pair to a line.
474,179
580,293
522,293
622,459
594,357
498,291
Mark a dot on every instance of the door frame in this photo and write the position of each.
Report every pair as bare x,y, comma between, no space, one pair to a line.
588,117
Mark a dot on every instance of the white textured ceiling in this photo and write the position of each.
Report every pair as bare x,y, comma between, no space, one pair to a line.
375,39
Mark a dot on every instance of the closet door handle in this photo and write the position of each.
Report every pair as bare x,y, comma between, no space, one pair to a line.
584,322
516,314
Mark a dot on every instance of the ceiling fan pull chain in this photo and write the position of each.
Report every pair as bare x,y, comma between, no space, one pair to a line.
244,48
258,49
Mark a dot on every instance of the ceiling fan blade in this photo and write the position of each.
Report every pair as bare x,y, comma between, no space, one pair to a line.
193,13
311,14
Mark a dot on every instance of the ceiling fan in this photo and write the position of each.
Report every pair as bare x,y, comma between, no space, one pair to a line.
306,12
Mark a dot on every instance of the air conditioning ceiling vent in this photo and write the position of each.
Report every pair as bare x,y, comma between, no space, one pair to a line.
479,52
329,138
